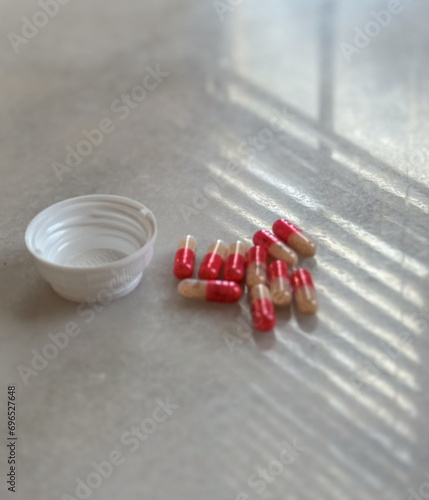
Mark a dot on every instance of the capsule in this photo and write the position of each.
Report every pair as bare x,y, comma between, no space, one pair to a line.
256,266
264,317
211,265
210,290
294,237
280,287
184,261
275,248
304,291
235,263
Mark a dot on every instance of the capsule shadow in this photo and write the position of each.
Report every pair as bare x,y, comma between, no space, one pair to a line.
264,341
307,322
283,315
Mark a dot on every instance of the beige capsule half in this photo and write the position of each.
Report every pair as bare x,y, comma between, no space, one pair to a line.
256,273
280,286
281,291
304,292
294,237
280,251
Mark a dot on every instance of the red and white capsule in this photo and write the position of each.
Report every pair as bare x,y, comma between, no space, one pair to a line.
184,261
210,290
263,315
235,264
275,248
256,266
304,291
294,237
280,286
211,265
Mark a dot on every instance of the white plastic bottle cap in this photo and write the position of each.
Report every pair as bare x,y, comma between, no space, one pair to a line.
92,248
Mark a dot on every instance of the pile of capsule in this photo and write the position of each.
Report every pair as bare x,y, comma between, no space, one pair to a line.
264,268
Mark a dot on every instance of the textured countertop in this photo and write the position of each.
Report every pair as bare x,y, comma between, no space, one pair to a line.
257,110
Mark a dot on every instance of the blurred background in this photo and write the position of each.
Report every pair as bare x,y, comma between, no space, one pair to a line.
221,116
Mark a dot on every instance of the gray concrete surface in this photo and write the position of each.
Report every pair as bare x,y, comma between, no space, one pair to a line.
347,160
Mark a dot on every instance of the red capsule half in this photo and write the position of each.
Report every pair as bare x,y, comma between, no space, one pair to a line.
211,265
263,314
184,261
235,264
